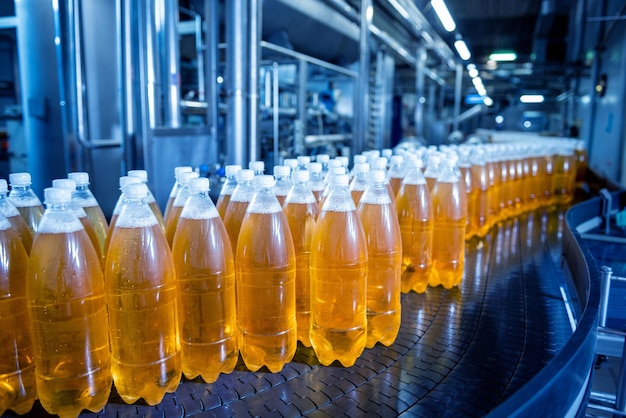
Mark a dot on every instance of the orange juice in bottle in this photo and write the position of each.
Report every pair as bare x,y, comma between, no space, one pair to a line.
480,179
564,177
301,210
432,168
18,389
396,172
143,175
495,185
316,181
68,313
85,198
415,217
230,182
282,185
546,177
581,162
338,279
205,276
358,184
15,218
384,266
266,282
450,212
141,295
25,200
80,213
239,201
177,206
465,168
175,189
533,179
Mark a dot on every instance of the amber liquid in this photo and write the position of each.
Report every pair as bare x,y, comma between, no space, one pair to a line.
18,390
338,288
479,217
415,216
564,179
207,318
495,184
157,212
23,231
546,186
472,197
266,291
172,223
301,218
168,207
32,215
234,217
100,226
93,237
69,324
395,183
222,204
449,235
141,295
384,267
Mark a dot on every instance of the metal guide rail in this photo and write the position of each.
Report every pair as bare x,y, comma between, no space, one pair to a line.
478,349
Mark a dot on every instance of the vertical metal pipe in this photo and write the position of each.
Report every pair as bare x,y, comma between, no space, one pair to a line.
199,56
253,76
620,391
149,62
430,118
275,112
236,51
211,41
605,290
300,131
457,96
170,59
420,66
361,97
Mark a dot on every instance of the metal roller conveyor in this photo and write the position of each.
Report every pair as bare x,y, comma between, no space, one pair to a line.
464,351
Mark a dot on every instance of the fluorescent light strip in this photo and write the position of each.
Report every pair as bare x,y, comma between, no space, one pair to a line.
473,72
503,56
444,15
461,48
531,98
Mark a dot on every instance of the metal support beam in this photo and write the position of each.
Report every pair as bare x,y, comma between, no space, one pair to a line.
420,67
211,40
361,98
457,96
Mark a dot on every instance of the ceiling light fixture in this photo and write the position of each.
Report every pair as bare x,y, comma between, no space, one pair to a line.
473,72
488,101
461,48
503,56
443,14
531,98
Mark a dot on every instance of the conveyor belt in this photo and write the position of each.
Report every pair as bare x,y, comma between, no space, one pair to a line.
458,353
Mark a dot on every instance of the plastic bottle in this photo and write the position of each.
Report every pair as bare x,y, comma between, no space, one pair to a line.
143,175
18,390
581,162
175,189
68,313
177,206
15,218
124,181
141,295
479,220
239,201
338,279
384,255
359,182
333,171
227,189
450,217
301,210
79,212
564,177
266,283
464,168
258,167
25,200
357,159
546,171
432,169
415,216
396,172
85,198
316,181
495,185
323,160
205,276
282,185
292,163
303,162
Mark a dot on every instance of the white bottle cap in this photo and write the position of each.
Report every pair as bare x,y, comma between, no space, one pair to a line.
232,169
387,152
335,171
281,170
182,169
339,180
80,177
361,168
142,174
300,175
359,158
125,180
323,158
245,175
199,185
376,176
257,165
4,186
57,195
135,190
19,179
264,181
291,163
185,177
304,160
396,159
67,184
315,167
379,163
